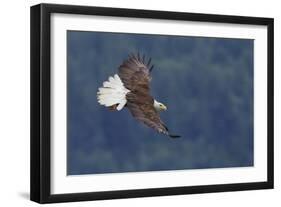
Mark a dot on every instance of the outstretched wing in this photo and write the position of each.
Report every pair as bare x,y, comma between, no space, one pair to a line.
141,107
135,73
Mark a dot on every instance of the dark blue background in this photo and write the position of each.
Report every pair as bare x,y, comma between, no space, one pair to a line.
206,83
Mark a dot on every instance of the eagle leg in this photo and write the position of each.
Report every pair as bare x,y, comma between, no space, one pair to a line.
113,107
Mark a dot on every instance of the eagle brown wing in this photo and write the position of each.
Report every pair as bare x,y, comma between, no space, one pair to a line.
135,74
141,108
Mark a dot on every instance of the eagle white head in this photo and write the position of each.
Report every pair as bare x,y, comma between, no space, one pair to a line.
159,106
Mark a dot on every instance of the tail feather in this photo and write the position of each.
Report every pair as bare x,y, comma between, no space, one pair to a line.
112,93
121,105
103,91
108,84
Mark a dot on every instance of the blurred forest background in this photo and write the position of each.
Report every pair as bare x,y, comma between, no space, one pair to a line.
206,83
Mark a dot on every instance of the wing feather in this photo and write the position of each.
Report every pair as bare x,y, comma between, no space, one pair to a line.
142,109
135,75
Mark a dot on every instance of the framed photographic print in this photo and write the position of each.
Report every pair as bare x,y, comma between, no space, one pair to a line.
132,103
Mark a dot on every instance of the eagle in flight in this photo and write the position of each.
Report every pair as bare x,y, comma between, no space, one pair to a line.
130,88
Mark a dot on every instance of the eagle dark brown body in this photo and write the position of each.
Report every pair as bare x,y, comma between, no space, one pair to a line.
130,88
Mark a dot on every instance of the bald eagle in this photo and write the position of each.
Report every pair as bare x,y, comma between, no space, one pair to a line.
130,88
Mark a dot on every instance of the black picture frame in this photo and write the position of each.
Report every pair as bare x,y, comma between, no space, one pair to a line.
41,99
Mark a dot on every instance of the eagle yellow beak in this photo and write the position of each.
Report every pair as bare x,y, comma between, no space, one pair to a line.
163,107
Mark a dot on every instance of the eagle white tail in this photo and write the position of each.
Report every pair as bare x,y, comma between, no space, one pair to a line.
113,92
